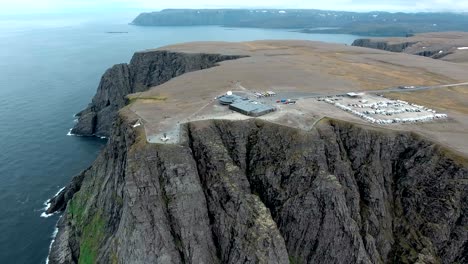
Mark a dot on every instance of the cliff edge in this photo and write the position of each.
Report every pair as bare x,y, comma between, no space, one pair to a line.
146,69
449,46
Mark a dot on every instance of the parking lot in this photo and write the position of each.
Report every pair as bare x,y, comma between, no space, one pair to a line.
380,110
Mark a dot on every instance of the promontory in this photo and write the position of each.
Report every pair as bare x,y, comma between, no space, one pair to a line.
272,152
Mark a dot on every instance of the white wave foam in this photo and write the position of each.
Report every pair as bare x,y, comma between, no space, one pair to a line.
54,235
46,215
47,205
75,135
71,134
59,191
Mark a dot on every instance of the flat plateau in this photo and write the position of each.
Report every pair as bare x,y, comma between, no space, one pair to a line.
304,70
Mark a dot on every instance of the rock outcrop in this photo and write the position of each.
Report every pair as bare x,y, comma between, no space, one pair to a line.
382,45
146,69
257,192
427,45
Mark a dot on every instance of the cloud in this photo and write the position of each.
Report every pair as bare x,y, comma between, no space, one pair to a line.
360,5
38,6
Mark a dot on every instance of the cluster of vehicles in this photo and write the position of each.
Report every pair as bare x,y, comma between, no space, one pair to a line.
407,87
389,108
272,94
331,98
286,101
264,94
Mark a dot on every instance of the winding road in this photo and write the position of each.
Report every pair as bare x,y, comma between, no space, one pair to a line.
417,88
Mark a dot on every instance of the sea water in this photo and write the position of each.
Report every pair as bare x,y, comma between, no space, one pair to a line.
50,67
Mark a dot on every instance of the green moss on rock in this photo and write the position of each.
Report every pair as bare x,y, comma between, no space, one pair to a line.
93,235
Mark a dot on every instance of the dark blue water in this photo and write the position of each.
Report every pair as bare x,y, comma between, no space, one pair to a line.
49,70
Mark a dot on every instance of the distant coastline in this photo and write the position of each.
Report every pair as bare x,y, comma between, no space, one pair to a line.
378,24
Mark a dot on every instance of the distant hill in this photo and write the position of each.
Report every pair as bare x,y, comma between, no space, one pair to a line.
311,21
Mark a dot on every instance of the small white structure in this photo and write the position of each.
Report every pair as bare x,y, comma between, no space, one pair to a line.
353,94
137,124
165,138
229,93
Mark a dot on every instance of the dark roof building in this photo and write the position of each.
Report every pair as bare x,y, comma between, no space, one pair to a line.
229,99
251,108
244,105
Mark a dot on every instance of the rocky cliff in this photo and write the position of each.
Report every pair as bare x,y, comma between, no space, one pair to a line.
432,50
257,192
146,69
382,45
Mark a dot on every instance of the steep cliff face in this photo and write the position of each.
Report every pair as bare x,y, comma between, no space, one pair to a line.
146,69
382,45
256,192
435,51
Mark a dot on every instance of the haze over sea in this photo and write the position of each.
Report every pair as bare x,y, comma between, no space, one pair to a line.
50,67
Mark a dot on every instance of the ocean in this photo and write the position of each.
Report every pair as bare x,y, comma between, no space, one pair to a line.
50,67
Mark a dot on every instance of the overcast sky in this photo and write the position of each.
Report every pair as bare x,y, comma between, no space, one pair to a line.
41,6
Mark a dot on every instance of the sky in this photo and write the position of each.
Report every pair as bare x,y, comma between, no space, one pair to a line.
56,6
